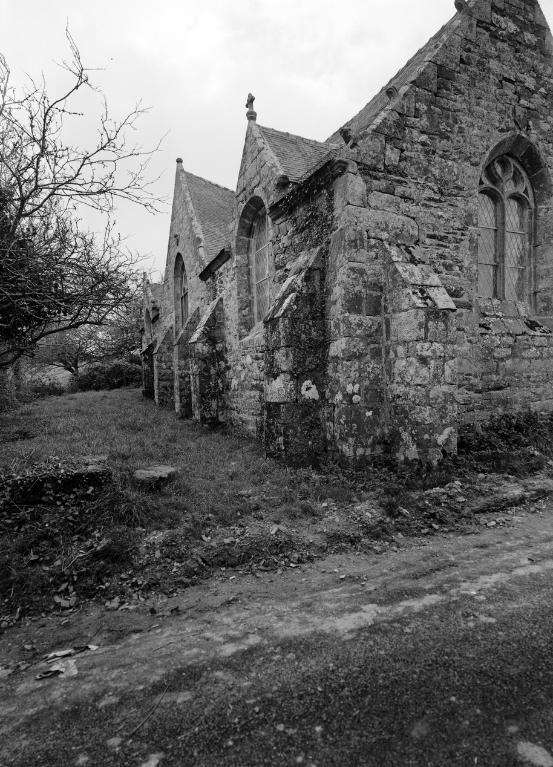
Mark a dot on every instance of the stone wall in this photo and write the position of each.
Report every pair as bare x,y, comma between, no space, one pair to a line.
505,363
208,366
295,369
410,195
420,372
377,342
182,370
163,371
148,386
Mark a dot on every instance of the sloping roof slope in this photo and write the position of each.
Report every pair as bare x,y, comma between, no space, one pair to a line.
408,74
214,208
296,155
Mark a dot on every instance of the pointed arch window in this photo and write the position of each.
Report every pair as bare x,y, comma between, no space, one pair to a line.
261,265
180,293
506,213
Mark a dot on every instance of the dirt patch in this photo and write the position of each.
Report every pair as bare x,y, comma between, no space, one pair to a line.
64,530
77,543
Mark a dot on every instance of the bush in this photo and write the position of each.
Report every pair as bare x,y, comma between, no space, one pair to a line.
47,387
517,443
110,375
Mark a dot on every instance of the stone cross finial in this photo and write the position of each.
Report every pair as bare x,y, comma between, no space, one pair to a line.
251,114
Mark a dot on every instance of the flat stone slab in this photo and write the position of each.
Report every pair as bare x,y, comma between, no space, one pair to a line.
155,475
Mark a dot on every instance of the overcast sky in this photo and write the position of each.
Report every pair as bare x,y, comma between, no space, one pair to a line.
311,64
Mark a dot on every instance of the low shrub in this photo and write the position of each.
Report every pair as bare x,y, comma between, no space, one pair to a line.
110,375
47,388
517,443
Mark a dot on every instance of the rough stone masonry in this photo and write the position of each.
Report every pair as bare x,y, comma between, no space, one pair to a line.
367,295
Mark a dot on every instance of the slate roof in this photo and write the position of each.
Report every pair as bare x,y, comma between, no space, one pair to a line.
296,155
408,74
214,208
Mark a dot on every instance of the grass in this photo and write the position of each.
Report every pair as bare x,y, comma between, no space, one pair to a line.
229,506
220,511
218,474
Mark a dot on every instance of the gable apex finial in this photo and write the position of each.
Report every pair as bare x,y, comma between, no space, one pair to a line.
251,114
462,6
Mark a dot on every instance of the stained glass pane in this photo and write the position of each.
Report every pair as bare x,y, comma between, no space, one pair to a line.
261,264
515,249
486,211
514,215
515,284
184,307
262,299
260,256
487,246
260,235
486,280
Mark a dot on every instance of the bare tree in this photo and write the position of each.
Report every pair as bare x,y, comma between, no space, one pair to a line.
117,339
55,274
69,349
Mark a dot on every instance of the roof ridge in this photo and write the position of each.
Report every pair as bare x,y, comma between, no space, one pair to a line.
295,135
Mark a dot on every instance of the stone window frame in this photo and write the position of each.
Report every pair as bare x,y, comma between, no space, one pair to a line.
506,248
253,209
522,148
180,293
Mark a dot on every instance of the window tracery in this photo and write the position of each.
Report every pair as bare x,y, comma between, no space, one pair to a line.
505,225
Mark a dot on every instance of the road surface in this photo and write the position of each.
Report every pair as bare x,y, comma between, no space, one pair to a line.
438,654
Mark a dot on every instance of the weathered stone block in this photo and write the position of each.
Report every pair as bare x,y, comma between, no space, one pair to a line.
383,224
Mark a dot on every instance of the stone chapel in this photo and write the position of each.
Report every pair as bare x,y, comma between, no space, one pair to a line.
371,294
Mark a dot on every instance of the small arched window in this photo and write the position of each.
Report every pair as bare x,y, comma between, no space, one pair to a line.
505,226
180,293
261,265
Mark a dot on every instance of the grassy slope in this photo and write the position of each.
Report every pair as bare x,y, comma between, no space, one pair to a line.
228,507
225,490
214,469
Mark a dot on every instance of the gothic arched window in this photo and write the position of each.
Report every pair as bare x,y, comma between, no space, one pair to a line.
261,265
506,226
180,293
